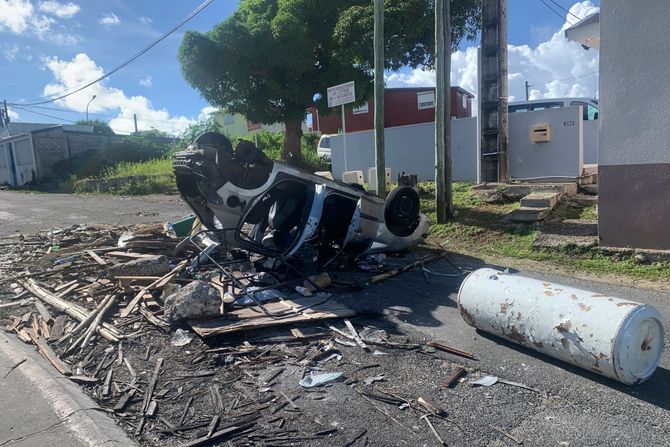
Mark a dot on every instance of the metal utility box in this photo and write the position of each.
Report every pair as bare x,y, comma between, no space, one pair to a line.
541,133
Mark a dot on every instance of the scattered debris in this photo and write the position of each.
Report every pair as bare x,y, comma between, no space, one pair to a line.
312,381
484,381
181,337
453,377
449,349
100,301
195,301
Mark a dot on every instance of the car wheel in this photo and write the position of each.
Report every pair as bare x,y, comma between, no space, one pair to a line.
402,211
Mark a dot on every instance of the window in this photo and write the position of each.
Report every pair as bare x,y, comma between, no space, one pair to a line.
519,108
361,110
589,111
425,100
324,142
546,105
464,100
228,119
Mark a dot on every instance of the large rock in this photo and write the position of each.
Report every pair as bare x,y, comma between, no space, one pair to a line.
147,266
196,301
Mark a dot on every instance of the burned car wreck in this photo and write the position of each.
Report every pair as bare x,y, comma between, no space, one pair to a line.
277,210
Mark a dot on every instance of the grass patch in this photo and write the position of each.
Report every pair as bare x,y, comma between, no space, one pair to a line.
479,229
158,166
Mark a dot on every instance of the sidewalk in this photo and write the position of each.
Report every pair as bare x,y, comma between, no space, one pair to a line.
42,408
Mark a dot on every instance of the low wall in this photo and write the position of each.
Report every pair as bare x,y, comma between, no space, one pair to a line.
410,149
562,157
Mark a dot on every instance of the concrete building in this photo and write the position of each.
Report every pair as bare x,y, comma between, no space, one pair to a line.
32,150
634,137
634,155
402,107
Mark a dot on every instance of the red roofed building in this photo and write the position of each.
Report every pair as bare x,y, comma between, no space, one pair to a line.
402,107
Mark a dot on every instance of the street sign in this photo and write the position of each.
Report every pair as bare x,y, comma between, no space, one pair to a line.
341,94
253,126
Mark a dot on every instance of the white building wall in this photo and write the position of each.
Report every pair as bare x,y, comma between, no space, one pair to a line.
410,149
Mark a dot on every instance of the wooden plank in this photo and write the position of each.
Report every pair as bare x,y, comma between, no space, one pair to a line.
46,316
123,254
291,311
68,290
65,285
51,356
107,331
96,258
58,327
135,301
148,395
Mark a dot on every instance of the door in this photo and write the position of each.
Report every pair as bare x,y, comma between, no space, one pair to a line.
6,176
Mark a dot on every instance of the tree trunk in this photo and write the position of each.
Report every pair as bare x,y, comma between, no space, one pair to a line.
292,138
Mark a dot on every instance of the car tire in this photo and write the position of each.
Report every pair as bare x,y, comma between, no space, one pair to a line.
402,209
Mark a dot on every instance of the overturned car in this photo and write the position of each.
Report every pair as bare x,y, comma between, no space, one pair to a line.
277,210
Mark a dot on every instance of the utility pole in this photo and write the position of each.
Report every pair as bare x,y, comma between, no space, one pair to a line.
380,161
493,92
135,120
443,193
527,90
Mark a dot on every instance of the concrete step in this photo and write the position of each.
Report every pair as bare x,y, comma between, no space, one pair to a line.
583,200
523,189
540,200
528,214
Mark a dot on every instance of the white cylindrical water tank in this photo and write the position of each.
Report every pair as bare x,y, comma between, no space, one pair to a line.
614,337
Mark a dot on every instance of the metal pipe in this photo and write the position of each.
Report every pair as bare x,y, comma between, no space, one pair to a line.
616,338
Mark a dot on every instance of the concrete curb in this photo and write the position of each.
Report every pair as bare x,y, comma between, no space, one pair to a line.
80,414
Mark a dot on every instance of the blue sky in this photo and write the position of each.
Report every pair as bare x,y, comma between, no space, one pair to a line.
47,47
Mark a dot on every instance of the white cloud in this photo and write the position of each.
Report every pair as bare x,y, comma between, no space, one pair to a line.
12,114
82,69
10,51
62,10
555,68
145,81
146,20
206,112
19,17
110,19
15,15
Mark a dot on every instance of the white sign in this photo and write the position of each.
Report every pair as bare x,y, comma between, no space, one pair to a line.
341,94
362,109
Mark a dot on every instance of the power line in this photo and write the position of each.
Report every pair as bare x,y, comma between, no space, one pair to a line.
566,10
128,61
567,79
556,12
14,106
60,118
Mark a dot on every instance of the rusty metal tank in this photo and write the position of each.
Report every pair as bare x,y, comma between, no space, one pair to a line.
614,337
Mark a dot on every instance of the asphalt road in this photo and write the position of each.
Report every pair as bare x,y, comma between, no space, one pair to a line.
25,212
575,408
580,408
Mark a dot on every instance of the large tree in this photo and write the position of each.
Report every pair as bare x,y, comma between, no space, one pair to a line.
270,58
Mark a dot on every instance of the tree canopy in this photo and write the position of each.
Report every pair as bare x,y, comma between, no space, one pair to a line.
270,58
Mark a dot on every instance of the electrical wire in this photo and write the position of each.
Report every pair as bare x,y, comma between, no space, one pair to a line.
566,10
60,118
127,61
566,79
42,114
556,12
